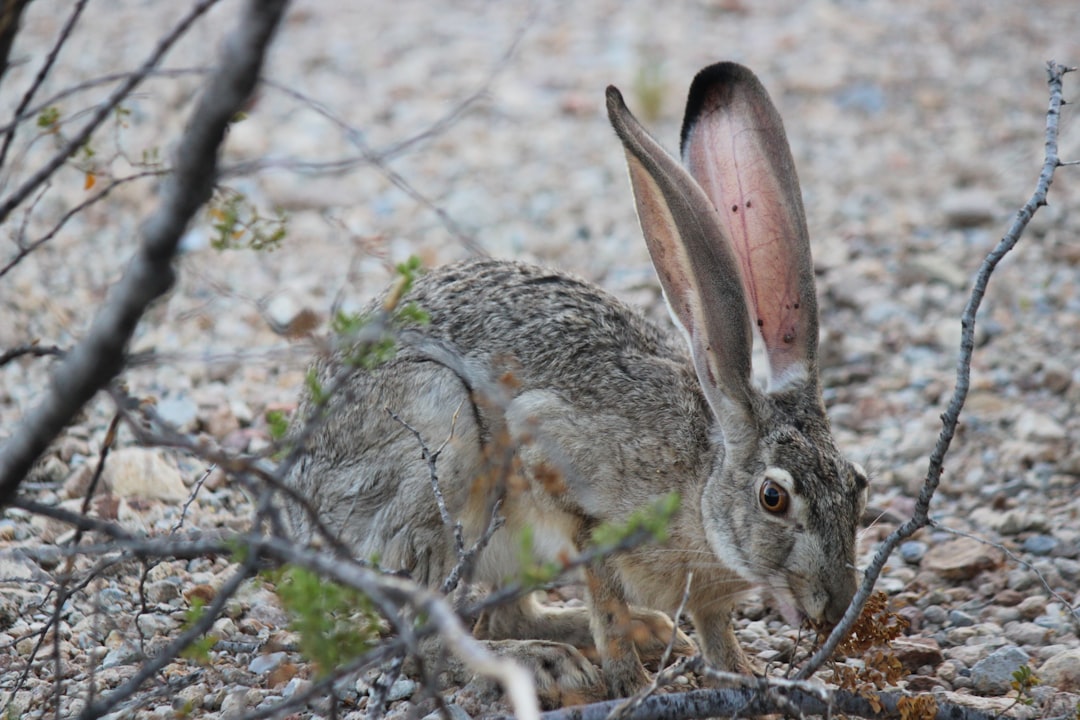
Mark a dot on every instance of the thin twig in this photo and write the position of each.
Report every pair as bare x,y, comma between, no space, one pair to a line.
10,19
951,417
388,593
750,701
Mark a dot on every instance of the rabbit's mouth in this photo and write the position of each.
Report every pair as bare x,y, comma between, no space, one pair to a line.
797,617
792,615
788,606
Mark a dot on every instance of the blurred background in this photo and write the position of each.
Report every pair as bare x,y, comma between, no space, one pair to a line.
443,129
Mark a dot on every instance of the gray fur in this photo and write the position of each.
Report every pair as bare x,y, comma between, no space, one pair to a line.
588,392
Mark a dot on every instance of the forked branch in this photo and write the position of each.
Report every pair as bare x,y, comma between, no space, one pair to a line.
951,417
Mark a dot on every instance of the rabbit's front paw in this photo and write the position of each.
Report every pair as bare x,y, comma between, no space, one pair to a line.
651,632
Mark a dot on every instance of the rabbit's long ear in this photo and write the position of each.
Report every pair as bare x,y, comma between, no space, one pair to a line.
733,144
696,265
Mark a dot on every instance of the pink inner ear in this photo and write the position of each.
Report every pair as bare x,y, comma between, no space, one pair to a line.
729,156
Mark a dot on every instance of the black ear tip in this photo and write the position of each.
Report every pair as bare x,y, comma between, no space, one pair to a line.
717,79
616,106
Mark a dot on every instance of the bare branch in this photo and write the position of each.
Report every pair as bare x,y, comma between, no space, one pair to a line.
31,350
79,139
388,593
10,16
99,357
43,72
107,79
26,249
951,418
751,701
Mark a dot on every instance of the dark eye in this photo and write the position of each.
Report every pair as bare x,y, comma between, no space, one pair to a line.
773,497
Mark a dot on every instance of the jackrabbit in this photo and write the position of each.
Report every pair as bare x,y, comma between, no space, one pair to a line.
606,413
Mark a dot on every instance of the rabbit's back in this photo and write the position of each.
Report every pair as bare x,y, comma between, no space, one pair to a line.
614,394
550,329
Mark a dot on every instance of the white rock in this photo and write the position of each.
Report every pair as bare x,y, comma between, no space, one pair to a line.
143,472
969,207
1039,427
1062,671
180,412
265,663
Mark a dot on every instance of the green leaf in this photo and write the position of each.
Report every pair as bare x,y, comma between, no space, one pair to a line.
335,623
48,118
653,519
278,424
314,387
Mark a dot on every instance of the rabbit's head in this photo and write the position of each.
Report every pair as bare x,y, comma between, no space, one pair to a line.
727,234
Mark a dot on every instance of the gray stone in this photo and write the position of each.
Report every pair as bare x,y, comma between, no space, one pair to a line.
914,653
1059,705
1020,579
935,614
1027,633
401,689
959,618
456,713
1040,544
122,655
294,686
180,412
163,590
144,472
235,703
1032,607
1010,522
912,551
993,675
1068,568
265,663
961,558
936,267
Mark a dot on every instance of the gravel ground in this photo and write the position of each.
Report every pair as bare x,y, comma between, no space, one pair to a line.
917,130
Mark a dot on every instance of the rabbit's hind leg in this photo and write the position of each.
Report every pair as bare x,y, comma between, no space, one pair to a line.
650,631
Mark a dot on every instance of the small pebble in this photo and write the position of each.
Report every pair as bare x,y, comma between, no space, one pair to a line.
935,615
912,551
1040,544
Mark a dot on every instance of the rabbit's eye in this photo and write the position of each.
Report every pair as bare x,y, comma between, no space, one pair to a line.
773,497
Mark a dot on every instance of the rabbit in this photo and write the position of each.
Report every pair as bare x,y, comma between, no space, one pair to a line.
606,411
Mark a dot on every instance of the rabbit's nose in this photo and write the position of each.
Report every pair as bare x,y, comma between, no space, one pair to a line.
836,607
839,598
